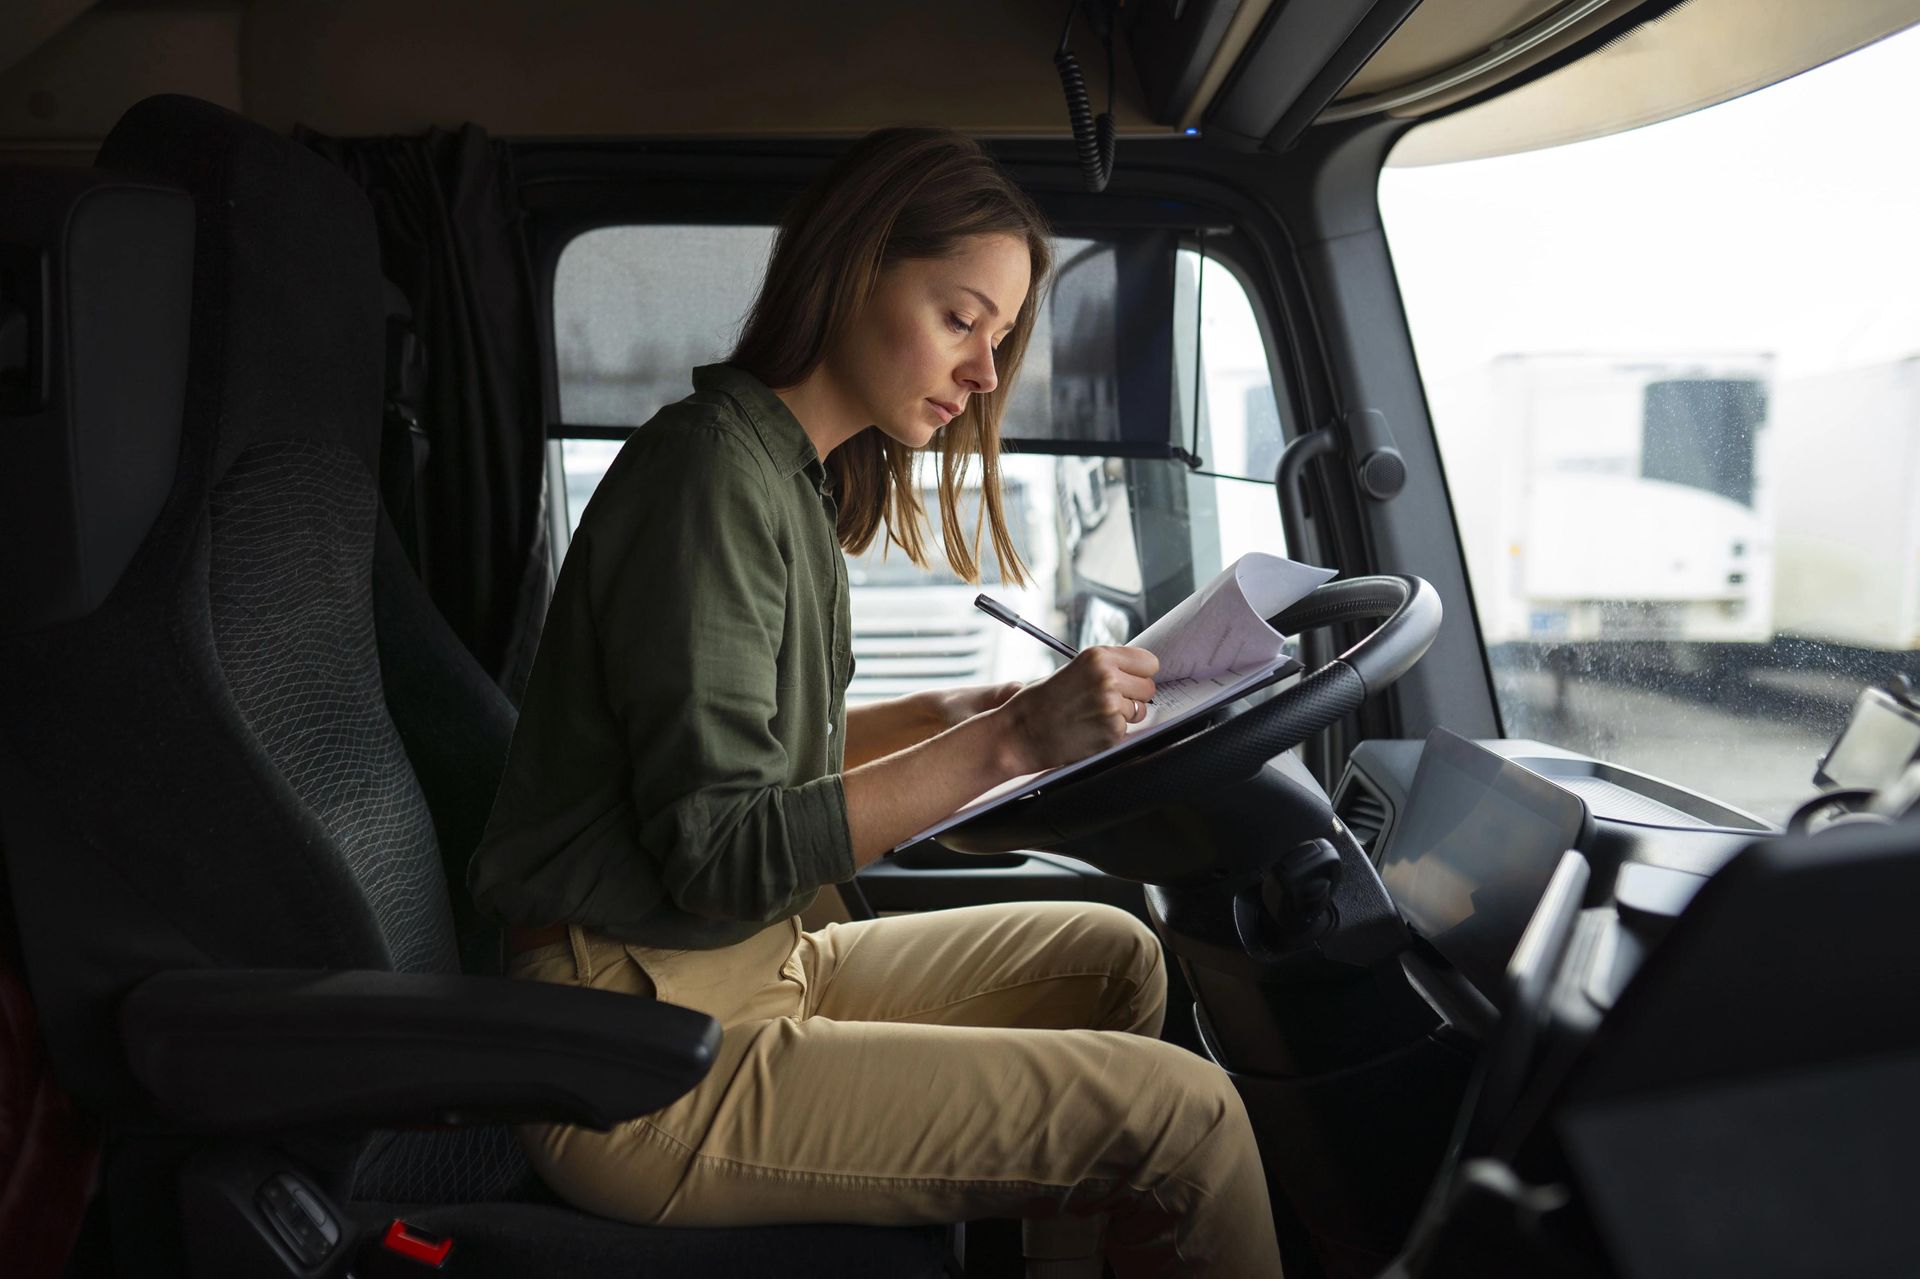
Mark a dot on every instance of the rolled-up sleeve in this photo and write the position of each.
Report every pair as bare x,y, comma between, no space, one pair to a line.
689,604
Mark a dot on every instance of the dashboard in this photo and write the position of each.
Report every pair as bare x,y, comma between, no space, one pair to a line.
1637,818
1466,837
1697,1014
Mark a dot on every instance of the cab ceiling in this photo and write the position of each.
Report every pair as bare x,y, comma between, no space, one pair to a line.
748,68
613,68
529,68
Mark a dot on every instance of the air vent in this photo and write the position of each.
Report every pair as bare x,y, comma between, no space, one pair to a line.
1364,813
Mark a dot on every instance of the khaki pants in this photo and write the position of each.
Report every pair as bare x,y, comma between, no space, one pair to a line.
988,1061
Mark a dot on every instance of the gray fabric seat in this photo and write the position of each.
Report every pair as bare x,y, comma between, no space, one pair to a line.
221,688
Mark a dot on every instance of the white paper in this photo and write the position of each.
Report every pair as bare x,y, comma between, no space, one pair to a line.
1213,646
1222,627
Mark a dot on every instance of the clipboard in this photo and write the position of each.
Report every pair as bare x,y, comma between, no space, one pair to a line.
1177,728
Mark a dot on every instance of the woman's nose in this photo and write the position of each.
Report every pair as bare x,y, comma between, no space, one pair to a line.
978,373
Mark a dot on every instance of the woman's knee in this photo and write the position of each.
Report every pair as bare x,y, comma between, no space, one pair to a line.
1205,1109
1184,1115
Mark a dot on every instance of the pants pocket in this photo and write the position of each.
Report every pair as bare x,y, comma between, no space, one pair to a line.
651,972
759,977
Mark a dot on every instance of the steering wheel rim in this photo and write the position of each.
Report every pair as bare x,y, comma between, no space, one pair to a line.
1236,748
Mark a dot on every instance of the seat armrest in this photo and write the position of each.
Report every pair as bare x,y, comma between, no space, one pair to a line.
259,1049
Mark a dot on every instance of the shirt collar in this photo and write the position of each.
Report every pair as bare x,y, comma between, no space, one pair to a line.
781,435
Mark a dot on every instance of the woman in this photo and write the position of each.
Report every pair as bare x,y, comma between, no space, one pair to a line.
685,777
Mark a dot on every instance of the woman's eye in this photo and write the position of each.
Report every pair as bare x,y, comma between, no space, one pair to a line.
959,325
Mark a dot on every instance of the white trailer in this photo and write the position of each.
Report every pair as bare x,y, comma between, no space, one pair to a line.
916,629
1614,498
1848,534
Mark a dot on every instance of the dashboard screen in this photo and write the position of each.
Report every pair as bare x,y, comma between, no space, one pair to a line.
1470,857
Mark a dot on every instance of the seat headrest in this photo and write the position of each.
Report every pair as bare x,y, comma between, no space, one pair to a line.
96,274
289,310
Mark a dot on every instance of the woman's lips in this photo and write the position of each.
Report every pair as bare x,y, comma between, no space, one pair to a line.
947,412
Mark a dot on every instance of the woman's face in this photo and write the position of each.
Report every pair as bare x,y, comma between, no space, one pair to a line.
924,343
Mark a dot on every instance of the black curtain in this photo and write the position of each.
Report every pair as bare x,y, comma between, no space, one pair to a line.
448,213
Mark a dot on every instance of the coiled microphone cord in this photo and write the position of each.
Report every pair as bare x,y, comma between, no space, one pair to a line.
1094,139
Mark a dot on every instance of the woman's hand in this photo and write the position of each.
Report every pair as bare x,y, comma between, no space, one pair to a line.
1083,707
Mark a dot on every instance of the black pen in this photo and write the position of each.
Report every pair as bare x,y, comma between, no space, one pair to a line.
1000,612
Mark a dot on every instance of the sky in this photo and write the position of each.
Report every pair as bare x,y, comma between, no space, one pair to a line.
1786,221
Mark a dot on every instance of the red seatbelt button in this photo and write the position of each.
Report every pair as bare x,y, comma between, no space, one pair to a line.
425,1249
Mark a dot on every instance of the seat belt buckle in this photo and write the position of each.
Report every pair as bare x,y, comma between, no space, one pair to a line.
404,1251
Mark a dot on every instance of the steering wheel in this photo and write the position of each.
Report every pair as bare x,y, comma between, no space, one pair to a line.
1234,748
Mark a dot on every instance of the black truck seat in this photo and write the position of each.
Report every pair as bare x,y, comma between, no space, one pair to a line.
221,692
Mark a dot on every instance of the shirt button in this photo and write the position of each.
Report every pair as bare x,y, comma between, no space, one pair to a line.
829,728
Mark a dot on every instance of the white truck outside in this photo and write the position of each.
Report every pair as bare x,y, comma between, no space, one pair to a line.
916,629
1613,498
1849,514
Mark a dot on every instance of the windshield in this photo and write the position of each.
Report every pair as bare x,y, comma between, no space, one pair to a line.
1674,374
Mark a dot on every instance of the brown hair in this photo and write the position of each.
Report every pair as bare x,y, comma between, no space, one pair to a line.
898,194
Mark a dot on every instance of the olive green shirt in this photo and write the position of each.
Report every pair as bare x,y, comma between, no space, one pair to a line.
674,779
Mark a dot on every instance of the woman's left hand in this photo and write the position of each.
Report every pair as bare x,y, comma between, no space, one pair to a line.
963,704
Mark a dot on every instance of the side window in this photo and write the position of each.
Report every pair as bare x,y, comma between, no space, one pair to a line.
636,308
1674,374
1231,412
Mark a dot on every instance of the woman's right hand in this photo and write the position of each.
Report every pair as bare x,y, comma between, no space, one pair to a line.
1083,707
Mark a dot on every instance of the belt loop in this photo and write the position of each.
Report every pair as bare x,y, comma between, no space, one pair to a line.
582,956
